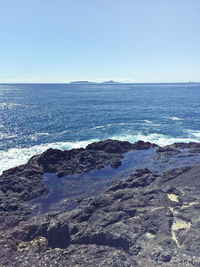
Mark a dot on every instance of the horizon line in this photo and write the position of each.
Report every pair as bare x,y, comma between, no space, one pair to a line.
104,82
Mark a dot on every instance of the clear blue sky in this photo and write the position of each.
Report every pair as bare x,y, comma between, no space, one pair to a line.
127,40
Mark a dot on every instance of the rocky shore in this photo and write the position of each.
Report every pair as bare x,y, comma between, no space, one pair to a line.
149,218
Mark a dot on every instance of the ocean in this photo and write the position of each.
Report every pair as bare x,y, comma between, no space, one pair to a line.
34,117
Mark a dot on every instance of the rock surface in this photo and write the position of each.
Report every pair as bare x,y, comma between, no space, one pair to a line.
146,219
21,184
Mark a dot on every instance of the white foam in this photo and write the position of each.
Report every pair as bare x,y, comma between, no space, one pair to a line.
98,127
10,105
174,118
36,135
42,134
150,123
7,136
197,135
17,156
194,133
147,121
115,123
158,139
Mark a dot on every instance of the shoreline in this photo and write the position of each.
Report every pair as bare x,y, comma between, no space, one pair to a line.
15,156
21,184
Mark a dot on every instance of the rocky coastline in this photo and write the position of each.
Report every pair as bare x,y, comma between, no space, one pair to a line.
149,218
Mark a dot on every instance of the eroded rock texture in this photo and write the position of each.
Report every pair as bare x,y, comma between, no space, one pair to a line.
146,219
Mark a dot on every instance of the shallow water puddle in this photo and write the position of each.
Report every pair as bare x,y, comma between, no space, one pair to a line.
66,192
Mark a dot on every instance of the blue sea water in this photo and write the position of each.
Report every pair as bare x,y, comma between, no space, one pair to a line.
34,117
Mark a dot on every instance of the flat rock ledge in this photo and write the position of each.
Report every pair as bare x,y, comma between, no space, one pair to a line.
146,219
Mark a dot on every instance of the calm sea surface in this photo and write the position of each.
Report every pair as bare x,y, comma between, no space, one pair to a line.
34,117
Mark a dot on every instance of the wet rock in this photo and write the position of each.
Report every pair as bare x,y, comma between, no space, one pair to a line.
140,178
115,146
169,150
146,219
141,145
110,146
48,160
115,163
190,145
23,183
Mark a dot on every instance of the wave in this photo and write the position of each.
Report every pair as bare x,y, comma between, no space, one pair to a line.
10,105
193,133
147,121
36,135
98,127
7,136
174,118
17,156
150,123
159,139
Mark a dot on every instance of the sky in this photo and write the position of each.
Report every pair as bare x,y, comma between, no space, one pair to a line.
97,40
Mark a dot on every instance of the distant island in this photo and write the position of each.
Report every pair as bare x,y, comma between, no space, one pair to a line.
110,82
82,82
87,82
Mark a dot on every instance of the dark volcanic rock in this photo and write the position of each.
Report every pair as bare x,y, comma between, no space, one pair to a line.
49,159
141,177
191,146
170,150
116,162
140,145
134,222
114,146
21,184
147,219
95,156
110,146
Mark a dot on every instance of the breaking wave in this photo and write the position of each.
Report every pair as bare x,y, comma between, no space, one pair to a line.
17,156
